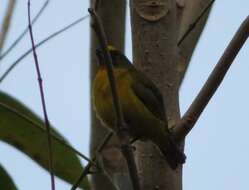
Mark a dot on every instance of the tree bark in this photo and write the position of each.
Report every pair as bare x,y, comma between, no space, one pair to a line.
188,13
112,14
154,48
156,25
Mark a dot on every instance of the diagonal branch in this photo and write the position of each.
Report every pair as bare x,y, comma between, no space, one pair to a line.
6,23
47,124
192,22
121,127
112,15
103,43
184,126
89,165
196,21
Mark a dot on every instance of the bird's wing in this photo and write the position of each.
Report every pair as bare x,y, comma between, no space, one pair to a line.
149,94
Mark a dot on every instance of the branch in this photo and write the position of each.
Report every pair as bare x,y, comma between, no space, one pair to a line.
47,124
18,39
121,126
192,22
13,65
113,19
6,23
33,123
193,25
103,43
89,165
188,120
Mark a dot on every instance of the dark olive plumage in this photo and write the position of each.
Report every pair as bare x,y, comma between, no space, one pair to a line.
141,102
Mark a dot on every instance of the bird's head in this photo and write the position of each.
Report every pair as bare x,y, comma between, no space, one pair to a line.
118,58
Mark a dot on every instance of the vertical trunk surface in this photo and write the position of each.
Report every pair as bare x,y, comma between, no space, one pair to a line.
154,48
156,28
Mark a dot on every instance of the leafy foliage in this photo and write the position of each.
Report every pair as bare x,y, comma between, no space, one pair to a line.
5,180
32,140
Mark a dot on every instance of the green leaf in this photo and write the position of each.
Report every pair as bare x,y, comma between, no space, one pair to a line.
32,140
5,180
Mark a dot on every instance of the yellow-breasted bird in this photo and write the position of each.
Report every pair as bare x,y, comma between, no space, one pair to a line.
141,103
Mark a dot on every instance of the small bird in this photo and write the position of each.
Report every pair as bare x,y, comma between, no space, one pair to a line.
141,103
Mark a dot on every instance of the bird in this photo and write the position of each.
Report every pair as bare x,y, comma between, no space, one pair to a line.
141,103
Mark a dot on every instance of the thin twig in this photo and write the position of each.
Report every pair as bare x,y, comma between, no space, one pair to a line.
6,23
103,43
19,38
47,125
89,165
39,126
193,25
121,126
13,65
188,120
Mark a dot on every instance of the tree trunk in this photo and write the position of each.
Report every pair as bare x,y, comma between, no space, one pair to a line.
154,49
156,27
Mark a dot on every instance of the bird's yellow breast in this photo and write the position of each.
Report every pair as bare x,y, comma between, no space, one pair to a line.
102,97
135,113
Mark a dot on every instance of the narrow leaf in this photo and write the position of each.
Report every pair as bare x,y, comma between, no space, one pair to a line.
32,141
5,180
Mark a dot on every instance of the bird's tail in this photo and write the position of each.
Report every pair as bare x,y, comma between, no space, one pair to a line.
172,153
